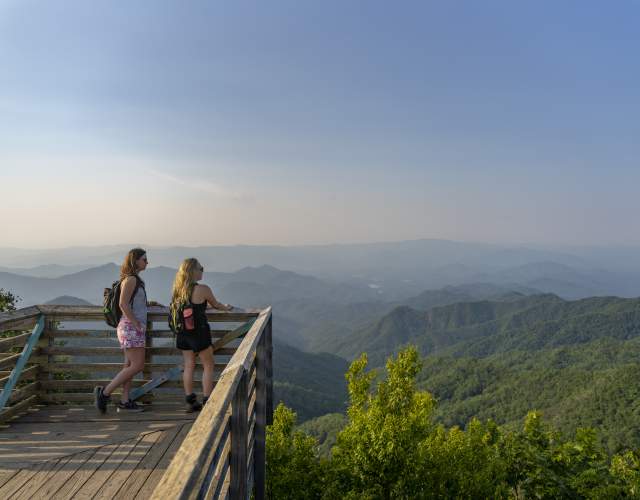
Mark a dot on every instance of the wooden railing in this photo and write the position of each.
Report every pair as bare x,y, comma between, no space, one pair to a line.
224,453
68,350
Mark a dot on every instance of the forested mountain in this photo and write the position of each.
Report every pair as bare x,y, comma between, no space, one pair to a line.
592,384
575,361
311,384
487,327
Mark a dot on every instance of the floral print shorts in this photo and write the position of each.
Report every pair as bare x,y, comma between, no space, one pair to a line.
129,336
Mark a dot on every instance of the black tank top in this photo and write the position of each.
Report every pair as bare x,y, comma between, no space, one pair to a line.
200,321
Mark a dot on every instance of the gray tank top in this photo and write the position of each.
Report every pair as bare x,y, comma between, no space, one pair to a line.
139,305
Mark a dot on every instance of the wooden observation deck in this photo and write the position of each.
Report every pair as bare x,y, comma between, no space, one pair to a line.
55,444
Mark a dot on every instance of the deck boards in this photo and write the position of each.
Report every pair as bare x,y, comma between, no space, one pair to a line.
74,452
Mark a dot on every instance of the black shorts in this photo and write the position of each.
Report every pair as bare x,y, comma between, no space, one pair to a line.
195,341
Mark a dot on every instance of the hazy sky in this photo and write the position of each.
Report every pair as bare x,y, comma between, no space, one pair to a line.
310,122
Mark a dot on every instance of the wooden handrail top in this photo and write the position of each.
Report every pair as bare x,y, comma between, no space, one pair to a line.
21,318
155,313
26,317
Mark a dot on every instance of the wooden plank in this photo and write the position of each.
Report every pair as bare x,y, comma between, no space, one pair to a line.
94,334
220,454
126,467
72,414
94,313
19,480
150,486
110,367
9,362
183,472
11,411
29,489
27,373
21,318
75,482
111,334
259,473
83,397
6,475
221,469
24,392
268,359
238,332
21,362
116,351
168,375
102,474
147,465
63,474
89,384
238,424
245,354
17,340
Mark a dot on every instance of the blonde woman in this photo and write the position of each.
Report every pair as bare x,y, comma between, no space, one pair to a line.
131,331
196,339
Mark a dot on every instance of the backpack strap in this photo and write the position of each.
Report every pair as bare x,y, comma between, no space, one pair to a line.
139,284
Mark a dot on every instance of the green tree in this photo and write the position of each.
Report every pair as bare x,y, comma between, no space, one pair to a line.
376,455
7,300
293,470
390,448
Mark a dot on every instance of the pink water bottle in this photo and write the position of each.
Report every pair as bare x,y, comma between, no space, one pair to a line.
187,313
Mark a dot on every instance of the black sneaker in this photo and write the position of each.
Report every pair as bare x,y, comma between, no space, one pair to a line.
192,403
204,400
101,400
129,407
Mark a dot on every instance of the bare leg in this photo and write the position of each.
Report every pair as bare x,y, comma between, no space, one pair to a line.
135,355
127,385
206,358
189,359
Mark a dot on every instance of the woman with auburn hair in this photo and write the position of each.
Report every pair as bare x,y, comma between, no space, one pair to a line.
131,331
188,294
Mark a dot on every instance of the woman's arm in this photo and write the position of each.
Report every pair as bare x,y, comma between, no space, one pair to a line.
213,302
128,286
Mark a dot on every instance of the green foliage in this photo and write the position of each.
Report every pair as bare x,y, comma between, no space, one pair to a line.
586,385
376,454
8,303
292,468
7,300
391,447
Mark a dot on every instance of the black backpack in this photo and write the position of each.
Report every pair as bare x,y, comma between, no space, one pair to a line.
111,301
176,320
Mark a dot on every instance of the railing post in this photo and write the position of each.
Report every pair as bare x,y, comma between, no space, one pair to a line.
261,420
239,430
148,358
269,369
49,325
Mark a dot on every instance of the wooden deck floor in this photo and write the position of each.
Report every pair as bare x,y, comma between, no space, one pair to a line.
74,452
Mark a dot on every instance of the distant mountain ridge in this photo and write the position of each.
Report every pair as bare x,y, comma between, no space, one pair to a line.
487,327
397,270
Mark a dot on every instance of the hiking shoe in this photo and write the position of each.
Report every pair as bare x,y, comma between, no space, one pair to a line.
129,407
101,400
192,403
204,400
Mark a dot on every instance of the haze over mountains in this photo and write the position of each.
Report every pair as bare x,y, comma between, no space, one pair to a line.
395,270
503,329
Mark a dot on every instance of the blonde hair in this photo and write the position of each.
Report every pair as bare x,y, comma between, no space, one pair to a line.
128,267
184,282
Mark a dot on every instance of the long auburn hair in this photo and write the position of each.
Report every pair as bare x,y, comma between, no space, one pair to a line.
184,282
128,267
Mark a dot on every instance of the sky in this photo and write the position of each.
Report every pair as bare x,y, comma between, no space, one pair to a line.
299,122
